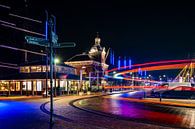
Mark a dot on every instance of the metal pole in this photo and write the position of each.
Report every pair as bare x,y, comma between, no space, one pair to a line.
46,37
46,75
98,80
51,72
81,80
90,81
54,78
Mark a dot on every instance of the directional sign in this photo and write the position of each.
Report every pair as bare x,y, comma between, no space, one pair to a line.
54,37
66,44
37,41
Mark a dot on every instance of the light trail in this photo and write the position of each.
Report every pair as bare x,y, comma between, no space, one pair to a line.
139,87
149,87
21,29
153,63
180,65
26,18
152,68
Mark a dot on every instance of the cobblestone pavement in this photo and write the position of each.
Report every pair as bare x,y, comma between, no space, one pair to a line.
150,113
26,114
86,120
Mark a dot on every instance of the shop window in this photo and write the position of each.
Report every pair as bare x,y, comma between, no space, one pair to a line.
61,83
39,87
29,86
23,85
34,85
4,86
12,86
17,86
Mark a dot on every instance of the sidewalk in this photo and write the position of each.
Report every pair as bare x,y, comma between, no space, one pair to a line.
169,102
24,97
20,97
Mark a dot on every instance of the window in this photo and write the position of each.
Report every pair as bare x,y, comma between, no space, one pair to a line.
22,69
29,86
62,83
25,69
17,86
4,86
36,69
39,87
39,68
33,69
12,86
44,68
23,85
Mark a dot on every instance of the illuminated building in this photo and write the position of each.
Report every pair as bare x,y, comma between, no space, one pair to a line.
32,80
91,64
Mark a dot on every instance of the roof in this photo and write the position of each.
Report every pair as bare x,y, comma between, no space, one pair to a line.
80,58
43,63
84,57
23,76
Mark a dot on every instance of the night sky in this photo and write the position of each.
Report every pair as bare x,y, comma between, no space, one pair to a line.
143,31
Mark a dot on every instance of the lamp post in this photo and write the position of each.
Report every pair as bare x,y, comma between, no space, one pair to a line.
56,60
90,81
81,79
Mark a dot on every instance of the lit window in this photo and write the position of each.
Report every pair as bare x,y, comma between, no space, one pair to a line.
29,87
39,68
25,69
44,68
17,86
22,69
33,69
39,87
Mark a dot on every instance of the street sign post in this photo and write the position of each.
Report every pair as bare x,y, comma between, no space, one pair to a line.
37,41
51,42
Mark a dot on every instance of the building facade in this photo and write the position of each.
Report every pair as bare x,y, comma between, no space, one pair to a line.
91,65
33,79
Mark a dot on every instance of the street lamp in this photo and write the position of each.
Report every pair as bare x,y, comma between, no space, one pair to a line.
79,90
56,60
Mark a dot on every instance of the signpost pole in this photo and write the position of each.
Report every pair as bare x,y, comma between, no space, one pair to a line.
51,71
50,42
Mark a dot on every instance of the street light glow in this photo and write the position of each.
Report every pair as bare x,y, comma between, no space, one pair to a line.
56,60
